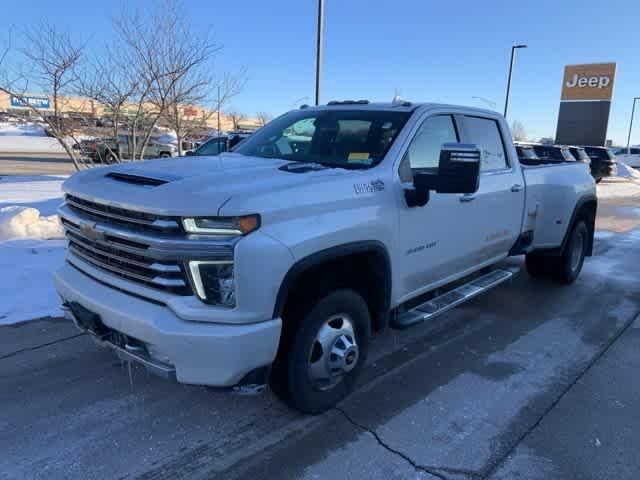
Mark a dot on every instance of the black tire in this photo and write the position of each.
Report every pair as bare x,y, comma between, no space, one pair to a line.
567,267
537,265
165,155
111,158
291,377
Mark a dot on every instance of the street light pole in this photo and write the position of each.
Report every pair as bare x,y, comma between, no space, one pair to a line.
506,100
319,42
633,110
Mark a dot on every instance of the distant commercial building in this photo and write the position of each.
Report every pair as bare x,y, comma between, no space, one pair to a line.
84,107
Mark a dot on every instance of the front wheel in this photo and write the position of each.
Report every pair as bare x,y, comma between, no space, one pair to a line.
325,353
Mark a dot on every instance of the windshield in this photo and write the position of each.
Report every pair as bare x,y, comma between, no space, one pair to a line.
342,138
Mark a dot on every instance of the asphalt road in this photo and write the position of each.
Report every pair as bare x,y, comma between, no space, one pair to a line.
35,164
514,384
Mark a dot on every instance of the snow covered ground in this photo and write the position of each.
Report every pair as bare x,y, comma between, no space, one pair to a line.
28,255
26,137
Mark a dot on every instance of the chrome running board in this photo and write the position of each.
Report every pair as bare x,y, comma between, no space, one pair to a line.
446,301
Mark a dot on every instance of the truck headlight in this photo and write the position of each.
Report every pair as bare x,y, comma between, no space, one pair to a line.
222,225
213,282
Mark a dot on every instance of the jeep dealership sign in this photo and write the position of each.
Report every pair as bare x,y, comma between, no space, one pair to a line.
585,103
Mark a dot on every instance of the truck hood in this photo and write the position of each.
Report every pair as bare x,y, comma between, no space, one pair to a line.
186,186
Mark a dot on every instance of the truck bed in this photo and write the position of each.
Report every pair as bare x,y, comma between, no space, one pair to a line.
552,191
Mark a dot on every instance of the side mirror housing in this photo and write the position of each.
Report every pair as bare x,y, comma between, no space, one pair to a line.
189,153
458,172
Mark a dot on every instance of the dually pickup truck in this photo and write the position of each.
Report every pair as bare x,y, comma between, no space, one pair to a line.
275,263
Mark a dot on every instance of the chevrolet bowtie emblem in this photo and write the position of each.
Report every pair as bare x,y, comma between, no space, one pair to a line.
90,231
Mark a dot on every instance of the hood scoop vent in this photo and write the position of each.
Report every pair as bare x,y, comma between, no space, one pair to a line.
140,179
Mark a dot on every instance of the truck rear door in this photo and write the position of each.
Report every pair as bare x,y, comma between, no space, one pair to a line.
498,205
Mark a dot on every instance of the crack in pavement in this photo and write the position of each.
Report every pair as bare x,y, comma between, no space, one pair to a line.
591,363
431,470
37,347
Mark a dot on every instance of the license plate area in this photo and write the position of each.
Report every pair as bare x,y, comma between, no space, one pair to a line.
88,320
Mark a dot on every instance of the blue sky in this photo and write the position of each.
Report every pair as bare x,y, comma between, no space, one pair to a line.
427,50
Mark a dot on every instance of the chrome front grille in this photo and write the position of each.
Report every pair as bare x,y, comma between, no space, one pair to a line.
147,249
123,217
125,259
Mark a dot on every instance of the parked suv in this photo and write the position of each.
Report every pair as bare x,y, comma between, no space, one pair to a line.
553,153
603,162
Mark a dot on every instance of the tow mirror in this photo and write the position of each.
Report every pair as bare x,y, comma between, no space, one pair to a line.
458,172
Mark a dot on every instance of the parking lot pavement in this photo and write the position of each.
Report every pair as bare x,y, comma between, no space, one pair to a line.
35,164
463,397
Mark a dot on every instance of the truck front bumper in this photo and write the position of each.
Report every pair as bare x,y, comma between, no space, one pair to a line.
151,334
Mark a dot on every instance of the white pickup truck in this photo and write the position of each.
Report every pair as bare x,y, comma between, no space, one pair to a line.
276,262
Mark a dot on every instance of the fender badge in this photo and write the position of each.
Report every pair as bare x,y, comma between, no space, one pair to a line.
371,187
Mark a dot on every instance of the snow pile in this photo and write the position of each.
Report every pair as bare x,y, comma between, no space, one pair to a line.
26,222
625,171
27,137
26,284
29,129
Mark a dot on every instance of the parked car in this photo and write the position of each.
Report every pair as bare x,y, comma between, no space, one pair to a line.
111,150
581,154
553,153
603,162
629,156
213,146
217,145
527,155
280,266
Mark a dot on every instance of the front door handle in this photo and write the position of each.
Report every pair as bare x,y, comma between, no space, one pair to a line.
517,188
469,197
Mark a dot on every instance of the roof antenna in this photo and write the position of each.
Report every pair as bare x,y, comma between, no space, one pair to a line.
399,102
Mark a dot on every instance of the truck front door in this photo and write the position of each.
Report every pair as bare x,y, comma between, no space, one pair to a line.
437,241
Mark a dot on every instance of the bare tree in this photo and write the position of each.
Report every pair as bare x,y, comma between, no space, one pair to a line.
263,118
518,132
54,58
236,117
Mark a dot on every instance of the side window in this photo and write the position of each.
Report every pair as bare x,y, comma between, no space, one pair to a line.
485,133
424,149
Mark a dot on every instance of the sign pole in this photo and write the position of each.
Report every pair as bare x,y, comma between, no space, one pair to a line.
633,111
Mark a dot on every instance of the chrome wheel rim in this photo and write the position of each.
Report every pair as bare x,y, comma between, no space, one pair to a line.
334,352
576,253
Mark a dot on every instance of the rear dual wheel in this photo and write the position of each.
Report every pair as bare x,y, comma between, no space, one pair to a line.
566,267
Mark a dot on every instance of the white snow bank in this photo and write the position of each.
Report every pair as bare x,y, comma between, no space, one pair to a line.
22,129
28,144
625,171
26,284
26,222
28,207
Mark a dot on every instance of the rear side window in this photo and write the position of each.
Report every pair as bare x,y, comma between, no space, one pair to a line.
485,133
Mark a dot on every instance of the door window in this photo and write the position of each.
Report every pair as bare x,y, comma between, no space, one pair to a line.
424,151
485,133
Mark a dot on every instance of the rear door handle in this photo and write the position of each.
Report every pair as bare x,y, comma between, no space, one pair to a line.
517,188
469,197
